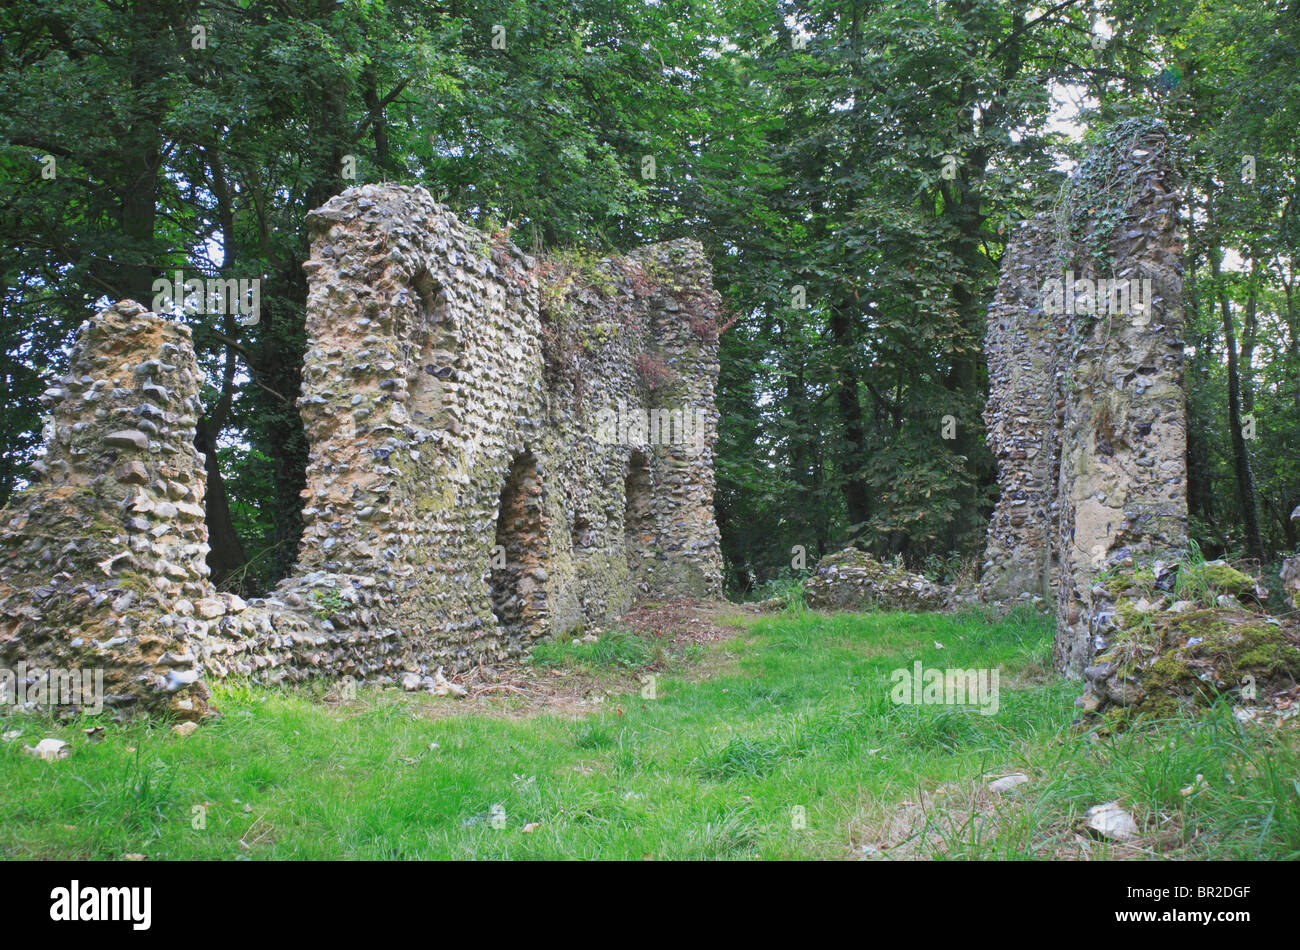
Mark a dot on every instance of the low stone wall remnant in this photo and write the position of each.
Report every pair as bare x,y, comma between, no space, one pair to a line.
854,580
1180,634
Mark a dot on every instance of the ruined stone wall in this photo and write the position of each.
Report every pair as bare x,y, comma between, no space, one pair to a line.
685,555
430,409
1123,483
1023,420
1087,413
465,494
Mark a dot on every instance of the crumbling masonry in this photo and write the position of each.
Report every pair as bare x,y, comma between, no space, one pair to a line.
502,449
1086,413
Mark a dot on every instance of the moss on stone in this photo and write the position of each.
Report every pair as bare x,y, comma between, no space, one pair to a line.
1168,673
1134,625
1249,648
1227,580
1120,581
1184,660
138,584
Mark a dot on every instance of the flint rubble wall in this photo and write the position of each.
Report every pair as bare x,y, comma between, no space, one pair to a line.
466,492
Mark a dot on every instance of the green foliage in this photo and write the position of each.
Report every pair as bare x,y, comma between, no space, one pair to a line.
821,167
786,586
140,800
1099,194
834,414
748,757
1192,582
328,602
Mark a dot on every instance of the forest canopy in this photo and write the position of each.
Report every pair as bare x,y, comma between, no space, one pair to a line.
854,169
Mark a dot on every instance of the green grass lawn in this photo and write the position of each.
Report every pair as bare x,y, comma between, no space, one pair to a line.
795,714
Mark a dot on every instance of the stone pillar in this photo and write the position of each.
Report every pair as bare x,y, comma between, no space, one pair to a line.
1086,414
683,337
104,555
1123,479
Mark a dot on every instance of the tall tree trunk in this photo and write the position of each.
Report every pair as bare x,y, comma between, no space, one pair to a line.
226,553
963,209
153,56
1200,490
378,123
1249,336
799,435
1283,515
282,336
849,400
1293,330
1240,455
843,316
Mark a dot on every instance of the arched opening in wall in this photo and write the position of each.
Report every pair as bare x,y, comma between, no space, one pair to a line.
517,576
638,513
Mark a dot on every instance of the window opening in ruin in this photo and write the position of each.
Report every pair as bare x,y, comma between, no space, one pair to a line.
638,518
424,382
426,292
517,563
581,534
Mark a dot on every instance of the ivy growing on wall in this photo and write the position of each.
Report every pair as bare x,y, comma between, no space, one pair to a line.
1096,199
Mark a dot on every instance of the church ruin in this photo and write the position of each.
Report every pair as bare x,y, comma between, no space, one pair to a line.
503,448
506,448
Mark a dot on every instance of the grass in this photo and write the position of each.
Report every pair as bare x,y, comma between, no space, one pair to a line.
798,720
614,650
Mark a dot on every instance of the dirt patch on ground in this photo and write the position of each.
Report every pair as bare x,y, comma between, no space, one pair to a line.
1278,708
687,623
520,690
690,621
